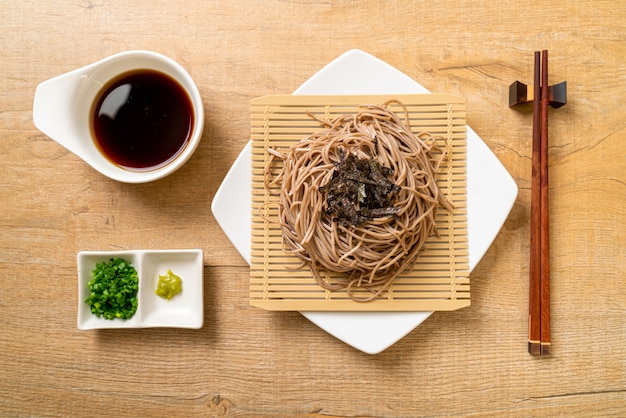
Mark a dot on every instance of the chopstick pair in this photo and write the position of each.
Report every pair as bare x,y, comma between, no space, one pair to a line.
539,283
539,289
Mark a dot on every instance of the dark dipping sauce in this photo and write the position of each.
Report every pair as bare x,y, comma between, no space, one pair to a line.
142,120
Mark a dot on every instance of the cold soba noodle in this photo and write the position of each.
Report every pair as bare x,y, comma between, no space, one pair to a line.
359,197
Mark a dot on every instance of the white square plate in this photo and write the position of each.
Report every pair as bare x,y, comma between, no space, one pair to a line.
184,310
491,192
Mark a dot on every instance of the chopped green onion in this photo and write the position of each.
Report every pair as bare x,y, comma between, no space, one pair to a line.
113,289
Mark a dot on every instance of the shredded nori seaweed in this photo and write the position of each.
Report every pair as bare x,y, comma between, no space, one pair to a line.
359,191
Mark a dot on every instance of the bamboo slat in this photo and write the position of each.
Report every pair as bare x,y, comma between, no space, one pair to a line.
439,279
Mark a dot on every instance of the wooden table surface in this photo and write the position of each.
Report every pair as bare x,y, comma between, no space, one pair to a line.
250,362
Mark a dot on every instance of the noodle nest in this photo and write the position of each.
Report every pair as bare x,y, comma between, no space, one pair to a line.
372,254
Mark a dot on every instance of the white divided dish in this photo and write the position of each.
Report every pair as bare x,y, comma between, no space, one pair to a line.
491,193
184,310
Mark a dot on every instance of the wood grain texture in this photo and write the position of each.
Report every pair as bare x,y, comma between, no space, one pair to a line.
250,362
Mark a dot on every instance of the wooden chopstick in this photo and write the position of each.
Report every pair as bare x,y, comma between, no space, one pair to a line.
539,283
534,299
545,254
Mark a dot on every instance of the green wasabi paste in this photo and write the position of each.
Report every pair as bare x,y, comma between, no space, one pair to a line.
169,285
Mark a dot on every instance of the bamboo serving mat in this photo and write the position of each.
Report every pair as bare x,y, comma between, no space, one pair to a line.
439,280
